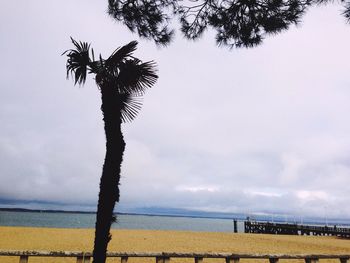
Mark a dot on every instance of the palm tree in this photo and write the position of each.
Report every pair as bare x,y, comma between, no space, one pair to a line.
122,79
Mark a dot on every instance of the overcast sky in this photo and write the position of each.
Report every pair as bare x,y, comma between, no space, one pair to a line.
247,130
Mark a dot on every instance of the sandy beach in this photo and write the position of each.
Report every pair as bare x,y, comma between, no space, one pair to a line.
53,239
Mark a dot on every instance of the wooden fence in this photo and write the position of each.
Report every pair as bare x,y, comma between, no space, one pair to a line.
82,257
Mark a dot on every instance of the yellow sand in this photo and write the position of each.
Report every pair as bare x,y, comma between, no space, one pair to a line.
25,238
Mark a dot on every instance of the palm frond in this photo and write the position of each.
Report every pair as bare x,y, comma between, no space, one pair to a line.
346,12
130,106
78,61
136,77
120,54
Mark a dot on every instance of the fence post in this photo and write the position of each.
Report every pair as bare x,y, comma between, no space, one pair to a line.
198,260
232,260
344,260
273,260
235,229
124,259
23,259
162,259
83,259
311,260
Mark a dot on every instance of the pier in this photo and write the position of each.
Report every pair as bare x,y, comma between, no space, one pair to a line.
294,229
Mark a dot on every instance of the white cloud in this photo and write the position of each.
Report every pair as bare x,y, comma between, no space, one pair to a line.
312,195
263,192
194,189
292,164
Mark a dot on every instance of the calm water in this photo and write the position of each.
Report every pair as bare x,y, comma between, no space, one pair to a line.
76,220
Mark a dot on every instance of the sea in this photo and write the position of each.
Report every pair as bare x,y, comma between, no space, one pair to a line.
137,221
124,221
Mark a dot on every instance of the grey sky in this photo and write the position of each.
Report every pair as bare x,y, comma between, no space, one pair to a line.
247,130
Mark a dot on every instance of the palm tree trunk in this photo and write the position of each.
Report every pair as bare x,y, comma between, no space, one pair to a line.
109,184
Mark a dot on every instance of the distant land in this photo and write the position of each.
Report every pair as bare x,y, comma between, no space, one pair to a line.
44,211
173,212
148,211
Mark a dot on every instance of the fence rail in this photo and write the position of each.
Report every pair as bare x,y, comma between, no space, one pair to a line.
164,257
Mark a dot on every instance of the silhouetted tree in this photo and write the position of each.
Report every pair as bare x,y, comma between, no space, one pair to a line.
238,23
122,79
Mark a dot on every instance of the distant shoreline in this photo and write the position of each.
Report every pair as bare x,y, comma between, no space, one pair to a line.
118,213
44,211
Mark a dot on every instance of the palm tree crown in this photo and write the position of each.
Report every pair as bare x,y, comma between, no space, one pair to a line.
128,75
